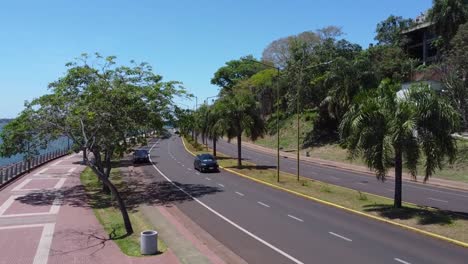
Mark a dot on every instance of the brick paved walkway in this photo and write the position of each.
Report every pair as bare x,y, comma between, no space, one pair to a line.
44,218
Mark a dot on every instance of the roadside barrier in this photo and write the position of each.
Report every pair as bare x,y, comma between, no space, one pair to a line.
12,171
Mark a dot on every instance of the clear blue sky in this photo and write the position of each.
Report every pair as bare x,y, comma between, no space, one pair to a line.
184,40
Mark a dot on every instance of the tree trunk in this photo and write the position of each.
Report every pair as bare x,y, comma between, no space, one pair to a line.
398,177
85,156
239,150
107,169
214,146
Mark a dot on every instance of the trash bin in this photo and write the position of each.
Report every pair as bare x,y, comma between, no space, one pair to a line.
149,242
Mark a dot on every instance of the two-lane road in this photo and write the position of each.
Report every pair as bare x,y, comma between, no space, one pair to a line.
422,194
265,225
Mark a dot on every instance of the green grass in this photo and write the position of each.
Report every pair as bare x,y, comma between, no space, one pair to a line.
109,215
445,223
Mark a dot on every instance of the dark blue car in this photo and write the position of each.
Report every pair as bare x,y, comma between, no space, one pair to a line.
205,162
141,155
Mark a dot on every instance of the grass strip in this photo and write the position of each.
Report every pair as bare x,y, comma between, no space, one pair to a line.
445,223
108,214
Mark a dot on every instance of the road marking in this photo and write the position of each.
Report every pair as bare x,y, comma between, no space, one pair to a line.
438,200
189,169
427,189
340,236
221,185
362,183
21,185
71,170
208,178
228,220
7,204
264,204
42,253
241,194
336,178
295,218
41,171
20,226
401,261
178,162
57,163
197,173
183,165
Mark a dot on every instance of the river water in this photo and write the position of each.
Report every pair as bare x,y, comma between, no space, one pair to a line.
54,145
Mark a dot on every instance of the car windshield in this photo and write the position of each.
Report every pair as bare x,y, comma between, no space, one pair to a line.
206,157
141,152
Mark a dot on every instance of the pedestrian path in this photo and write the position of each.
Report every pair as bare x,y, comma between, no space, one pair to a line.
44,218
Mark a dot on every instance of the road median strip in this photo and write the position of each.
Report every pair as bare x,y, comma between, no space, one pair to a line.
443,225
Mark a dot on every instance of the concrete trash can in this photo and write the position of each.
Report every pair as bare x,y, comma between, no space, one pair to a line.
149,242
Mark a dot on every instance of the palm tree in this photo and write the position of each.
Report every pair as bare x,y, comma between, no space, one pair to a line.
389,130
239,113
215,128
447,15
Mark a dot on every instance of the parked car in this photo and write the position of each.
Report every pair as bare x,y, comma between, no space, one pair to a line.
141,155
205,162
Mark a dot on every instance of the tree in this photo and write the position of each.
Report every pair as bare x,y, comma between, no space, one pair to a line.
228,76
238,114
388,130
447,15
389,31
455,73
104,109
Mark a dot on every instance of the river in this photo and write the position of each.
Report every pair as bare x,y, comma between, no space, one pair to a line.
54,145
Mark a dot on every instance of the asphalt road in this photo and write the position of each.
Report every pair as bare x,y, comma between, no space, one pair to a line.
265,225
418,193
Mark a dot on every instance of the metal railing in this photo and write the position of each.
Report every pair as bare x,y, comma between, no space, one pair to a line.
11,171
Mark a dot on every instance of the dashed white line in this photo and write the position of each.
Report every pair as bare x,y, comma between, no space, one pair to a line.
264,204
362,183
340,236
221,185
336,178
295,218
197,173
189,169
438,200
241,194
42,253
208,178
293,259
401,261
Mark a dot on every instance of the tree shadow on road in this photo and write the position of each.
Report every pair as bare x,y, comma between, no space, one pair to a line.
424,216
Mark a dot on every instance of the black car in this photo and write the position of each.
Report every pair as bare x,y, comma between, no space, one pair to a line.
141,155
205,162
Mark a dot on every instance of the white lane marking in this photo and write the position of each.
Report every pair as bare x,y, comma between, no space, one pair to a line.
41,171
60,183
7,204
20,226
71,170
401,261
183,165
340,236
178,162
438,200
427,189
57,163
197,173
69,157
241,194
21,185
230,221
189,169
295,218
264,204
336,178
208,178
362,183
42,253
221,185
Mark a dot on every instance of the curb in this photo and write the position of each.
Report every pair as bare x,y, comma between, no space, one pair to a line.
354,170
416,230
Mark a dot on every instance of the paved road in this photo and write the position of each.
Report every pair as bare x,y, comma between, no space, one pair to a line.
427,195
265,225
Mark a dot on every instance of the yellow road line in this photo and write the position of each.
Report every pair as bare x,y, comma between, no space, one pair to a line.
447,239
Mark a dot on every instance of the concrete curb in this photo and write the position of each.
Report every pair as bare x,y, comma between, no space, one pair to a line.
416,230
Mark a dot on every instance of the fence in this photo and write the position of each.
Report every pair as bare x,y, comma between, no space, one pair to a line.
10,172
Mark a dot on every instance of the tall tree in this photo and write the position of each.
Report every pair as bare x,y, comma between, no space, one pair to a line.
447,15
389,31
388,130
105,110
238,114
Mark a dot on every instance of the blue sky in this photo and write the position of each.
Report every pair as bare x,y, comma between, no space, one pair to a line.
183,40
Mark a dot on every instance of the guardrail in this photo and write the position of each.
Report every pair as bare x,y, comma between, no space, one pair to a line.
10,172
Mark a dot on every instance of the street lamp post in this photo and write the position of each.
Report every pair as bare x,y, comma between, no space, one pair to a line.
298,112
277,116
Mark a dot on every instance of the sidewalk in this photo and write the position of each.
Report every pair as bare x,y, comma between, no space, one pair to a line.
356,168
44,218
